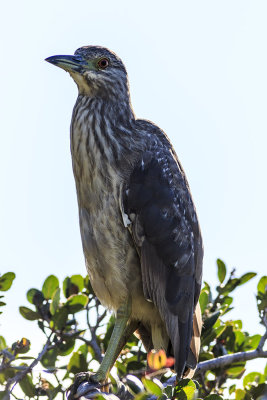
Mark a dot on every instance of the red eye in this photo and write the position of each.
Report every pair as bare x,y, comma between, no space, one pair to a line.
103,63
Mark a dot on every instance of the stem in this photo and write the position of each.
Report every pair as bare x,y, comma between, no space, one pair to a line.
17,378
232,358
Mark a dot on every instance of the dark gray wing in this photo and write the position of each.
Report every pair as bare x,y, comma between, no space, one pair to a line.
167,236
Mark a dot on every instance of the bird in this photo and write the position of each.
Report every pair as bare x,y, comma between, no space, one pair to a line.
139,227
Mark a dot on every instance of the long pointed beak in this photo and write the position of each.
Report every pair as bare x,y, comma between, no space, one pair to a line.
68,63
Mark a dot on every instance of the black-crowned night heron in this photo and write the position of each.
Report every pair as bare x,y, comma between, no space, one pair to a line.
139,228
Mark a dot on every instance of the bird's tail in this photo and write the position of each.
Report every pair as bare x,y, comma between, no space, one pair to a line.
195,344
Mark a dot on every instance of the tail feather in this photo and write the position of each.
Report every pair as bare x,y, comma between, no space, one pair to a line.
195,343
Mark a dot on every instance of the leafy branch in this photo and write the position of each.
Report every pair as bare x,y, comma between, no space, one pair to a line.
17,378
70,348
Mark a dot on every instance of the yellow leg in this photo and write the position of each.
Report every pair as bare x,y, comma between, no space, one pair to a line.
119,337
121,333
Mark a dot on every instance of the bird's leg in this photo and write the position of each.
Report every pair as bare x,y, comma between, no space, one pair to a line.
121,333
119,337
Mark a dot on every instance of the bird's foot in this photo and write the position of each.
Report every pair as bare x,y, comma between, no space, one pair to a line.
86,384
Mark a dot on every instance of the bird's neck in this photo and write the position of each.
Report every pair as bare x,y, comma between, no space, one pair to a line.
101,129
118,110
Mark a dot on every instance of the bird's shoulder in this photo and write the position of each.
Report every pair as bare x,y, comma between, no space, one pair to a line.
153,132
156,141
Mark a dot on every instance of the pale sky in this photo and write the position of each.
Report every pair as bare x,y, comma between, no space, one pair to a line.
198,69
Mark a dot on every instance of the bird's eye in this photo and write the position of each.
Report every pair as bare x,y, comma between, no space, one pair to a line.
103,63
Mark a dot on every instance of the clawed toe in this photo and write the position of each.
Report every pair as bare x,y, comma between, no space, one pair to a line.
85,383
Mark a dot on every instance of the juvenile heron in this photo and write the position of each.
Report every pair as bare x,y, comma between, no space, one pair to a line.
140,233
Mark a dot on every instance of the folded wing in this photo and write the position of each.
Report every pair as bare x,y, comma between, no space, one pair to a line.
166,233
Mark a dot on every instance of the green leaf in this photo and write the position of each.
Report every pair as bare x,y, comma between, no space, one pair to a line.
189,392
237,324
59,319
185,390
67,347
163,397
4,395
209,322
84,349
185,382
50,285
246,277
259,392
169,391
239,338
88,286
262,285
236,369
208,337
49,358
203,300
141,396
35,297
2,343
135,366
6,281
8,373
262,303
73,285
120,367
76,303
254,378
207,355
55,302
219,330
28,314
77,363
253,341
213,397
152,387
221,270
227,300
241,395
229,286
27,386
232,389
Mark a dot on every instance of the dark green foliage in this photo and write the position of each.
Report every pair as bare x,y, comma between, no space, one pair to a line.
50,285
6,281
77,330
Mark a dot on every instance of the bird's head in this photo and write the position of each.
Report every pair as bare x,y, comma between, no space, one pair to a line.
97,71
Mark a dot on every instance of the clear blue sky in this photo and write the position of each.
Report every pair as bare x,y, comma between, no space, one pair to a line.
196,68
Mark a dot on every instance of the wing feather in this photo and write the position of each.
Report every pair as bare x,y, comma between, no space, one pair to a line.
167,236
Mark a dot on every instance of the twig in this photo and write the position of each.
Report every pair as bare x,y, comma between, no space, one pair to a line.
17,378
98,355
92,343
262,341
17,367
228,359
100,319
225,360
202,381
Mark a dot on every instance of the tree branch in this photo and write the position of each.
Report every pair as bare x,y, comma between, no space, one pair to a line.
17,378
228,359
